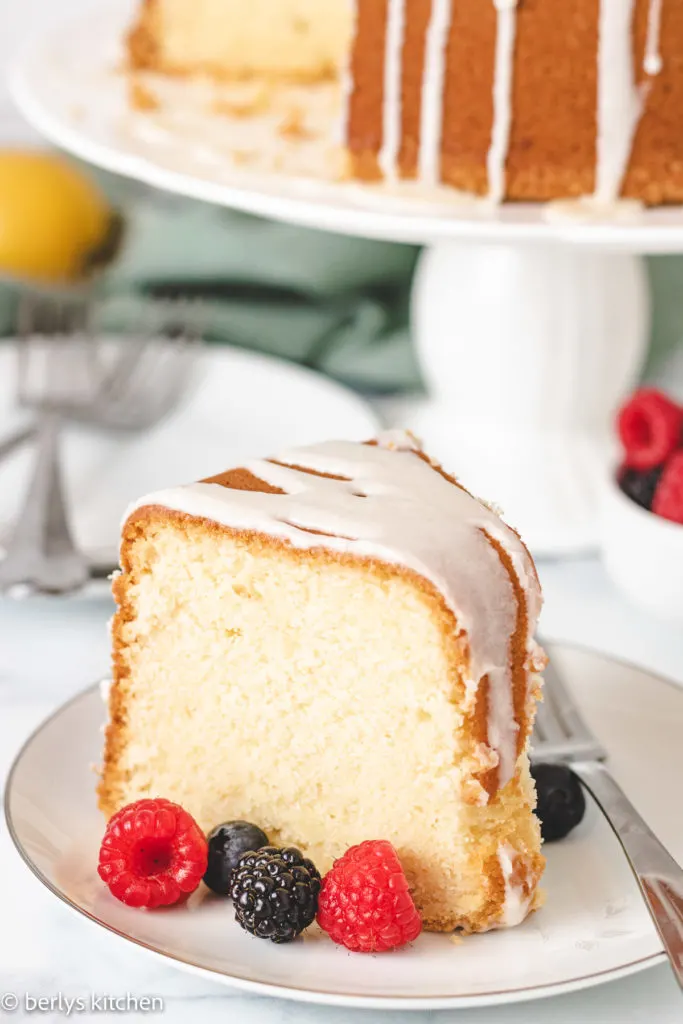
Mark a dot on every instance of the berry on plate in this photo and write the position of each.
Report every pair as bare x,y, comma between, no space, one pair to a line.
668,499
365,903
650,427
561,803
153,854
640,484
228,843
275,892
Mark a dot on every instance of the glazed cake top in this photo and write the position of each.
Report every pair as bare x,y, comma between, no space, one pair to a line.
386,501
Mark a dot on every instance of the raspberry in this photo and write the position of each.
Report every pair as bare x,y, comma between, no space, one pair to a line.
153,854
668,499
650,427
365,903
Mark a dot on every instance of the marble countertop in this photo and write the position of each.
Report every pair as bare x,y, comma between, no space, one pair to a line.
51,649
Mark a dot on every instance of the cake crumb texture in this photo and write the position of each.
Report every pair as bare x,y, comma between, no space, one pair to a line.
231,39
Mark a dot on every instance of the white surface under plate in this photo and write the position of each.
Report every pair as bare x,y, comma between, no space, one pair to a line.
240,405
594,927
284,163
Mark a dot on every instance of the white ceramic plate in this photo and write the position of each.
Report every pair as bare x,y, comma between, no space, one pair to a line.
594,927
238,405
69,85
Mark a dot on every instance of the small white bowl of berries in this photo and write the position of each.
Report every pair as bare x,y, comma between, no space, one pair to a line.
642,508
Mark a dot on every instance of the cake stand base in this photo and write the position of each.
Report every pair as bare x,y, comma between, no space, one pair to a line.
526,351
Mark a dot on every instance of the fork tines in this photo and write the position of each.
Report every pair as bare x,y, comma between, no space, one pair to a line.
560,732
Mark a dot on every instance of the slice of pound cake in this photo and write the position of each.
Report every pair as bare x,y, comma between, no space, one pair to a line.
337,644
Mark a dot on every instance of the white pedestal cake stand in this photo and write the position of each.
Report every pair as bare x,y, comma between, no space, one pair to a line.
530,328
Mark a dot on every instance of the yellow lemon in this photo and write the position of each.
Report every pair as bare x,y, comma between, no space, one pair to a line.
53,219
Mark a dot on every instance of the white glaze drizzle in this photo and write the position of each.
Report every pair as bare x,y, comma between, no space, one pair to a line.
652,61
517,903
502,97
431,101
391,103
396,508
620,101
347,82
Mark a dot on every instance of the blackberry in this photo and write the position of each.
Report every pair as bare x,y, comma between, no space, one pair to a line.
227,845
561,803
275,892
640,485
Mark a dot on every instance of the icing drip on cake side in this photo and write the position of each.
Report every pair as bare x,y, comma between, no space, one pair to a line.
433,82
502,97
516,903
394,507
620,101
652,61
393,71
347,80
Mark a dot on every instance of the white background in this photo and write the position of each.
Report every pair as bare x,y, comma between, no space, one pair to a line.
17,19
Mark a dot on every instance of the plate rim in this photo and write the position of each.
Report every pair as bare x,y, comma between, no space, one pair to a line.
318,997
332,213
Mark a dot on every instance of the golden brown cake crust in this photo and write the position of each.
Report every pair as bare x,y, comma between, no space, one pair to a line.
552,149
365,102
552,143
468,96
417,15
655,173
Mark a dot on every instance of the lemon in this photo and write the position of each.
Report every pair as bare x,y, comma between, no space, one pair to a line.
53,219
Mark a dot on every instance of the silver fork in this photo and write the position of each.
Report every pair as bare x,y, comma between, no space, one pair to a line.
561,735
42,550
138,390
126,401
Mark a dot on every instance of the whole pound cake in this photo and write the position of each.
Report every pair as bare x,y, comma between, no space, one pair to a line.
509,99
337,644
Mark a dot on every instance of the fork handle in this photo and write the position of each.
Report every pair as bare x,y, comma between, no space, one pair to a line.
659,876
35,525
43,524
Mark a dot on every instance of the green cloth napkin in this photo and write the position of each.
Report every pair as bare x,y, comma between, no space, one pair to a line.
336,304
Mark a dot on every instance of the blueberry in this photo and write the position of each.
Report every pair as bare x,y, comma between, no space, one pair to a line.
640,485
227,845
561,803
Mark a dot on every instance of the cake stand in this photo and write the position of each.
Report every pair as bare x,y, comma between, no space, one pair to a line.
531,323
